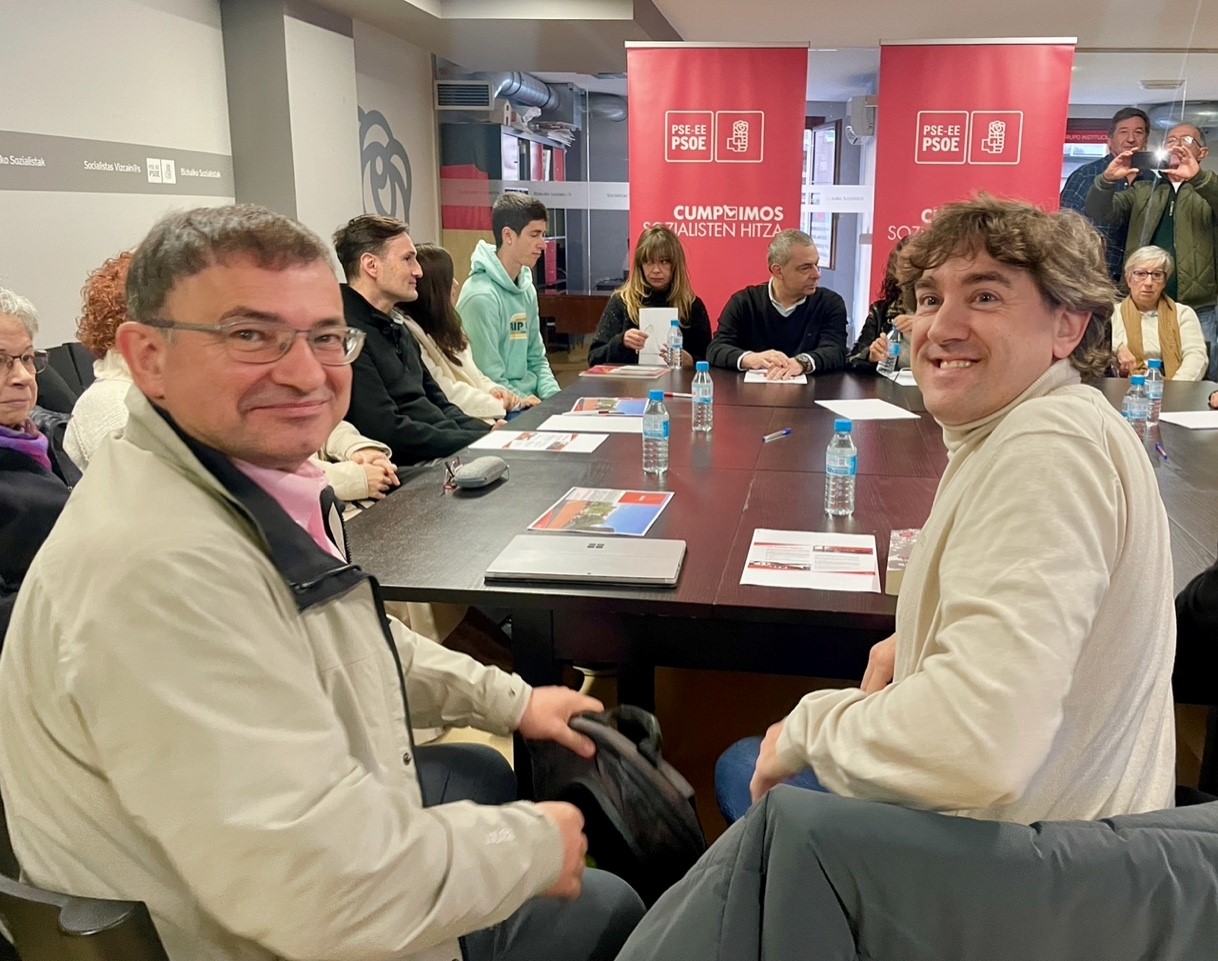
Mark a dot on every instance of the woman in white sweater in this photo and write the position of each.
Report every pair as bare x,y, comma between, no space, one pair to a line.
436,325
357,467
1149,325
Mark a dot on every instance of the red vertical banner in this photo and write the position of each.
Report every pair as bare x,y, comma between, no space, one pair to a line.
955,119
716,152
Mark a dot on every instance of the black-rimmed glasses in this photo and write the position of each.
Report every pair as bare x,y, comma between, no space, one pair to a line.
34,361
264,342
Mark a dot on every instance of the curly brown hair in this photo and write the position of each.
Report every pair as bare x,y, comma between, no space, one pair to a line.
1061,251
105,304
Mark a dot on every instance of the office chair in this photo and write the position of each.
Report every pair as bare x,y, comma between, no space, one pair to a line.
46,926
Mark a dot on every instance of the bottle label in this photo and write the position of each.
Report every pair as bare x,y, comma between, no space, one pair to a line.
842,466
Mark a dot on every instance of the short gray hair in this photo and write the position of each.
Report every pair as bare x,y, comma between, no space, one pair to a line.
1151,257
785,242
14,305
183,244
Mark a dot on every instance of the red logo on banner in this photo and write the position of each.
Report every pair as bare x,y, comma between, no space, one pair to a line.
940,139
716,150
996,137
739,136
688,136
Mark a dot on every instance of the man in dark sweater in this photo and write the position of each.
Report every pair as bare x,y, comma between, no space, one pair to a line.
787,326
393,397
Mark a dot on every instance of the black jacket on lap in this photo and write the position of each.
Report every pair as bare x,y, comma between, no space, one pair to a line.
393,397
608,344
31,499
750,323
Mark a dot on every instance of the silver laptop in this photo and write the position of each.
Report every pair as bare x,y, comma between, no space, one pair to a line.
589,560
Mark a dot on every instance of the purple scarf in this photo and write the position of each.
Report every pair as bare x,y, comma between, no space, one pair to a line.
28,441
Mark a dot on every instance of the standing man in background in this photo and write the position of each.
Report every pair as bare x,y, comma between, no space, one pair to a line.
1129,131
498,302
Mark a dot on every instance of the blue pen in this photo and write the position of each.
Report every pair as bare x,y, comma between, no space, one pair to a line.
777,435
1159,448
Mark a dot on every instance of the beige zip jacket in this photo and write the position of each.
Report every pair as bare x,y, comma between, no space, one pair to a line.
181,725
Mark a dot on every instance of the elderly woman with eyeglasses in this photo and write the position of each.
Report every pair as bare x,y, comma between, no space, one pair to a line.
35,476
356,467
1149,325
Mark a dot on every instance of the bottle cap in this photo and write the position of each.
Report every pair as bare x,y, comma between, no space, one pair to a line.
842,426
1137,380
675,323
656,395
702,365
1156,363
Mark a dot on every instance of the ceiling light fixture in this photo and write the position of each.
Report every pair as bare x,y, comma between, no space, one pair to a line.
1161,84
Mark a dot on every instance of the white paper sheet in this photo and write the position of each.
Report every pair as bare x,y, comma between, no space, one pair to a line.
812,560
655,322
758,377
870,409
598,423
903,378
536,440
1192,419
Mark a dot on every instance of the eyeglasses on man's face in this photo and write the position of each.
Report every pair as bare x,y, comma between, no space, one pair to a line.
1185,140
34,361
1158,276
251,341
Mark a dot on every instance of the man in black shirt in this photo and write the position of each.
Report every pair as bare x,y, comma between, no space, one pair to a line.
393,397
788,326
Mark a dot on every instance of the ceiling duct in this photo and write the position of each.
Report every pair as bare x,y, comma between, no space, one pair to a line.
521,89
1202,114
607,106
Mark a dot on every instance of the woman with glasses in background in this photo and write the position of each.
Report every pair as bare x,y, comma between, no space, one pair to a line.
1149,325
356,467
35,474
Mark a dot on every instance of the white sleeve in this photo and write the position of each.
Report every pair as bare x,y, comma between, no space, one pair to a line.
1119,337
971,726
1195,361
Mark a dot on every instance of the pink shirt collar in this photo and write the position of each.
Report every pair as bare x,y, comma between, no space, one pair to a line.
299,494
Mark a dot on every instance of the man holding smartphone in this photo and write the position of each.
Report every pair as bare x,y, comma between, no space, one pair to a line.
1178,211
1129,129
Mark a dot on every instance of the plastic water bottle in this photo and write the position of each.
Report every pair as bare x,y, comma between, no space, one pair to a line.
1154,390
841,468
889,363
655,434
1136,407
676,344
704,398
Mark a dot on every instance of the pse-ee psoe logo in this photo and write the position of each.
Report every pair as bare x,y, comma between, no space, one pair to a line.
978,137
719,136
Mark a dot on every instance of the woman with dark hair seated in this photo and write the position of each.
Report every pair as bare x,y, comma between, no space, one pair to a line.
658,278
886,315
35,474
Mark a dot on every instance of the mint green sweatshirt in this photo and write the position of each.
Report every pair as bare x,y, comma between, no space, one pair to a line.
501,320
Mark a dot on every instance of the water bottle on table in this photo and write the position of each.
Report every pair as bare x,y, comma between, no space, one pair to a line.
841,468
889,363
1136,408
655,434
704,398
1154,390
676,344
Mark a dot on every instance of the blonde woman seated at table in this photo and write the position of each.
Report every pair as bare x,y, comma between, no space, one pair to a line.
658,278
1149,325
356,467
436,325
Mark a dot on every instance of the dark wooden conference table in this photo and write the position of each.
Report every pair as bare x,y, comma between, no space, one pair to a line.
423,544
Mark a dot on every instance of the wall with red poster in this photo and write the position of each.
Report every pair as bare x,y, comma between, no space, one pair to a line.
716,152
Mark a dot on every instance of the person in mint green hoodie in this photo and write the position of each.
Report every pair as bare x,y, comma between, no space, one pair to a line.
498,303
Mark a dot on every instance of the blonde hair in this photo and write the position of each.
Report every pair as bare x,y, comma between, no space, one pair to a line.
656,244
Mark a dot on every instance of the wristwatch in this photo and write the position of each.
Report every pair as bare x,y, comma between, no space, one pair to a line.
806,362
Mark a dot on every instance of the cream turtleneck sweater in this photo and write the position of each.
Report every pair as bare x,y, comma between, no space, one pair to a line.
1035,631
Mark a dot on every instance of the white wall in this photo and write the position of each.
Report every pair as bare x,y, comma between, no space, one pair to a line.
325,125
394,78
134,71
